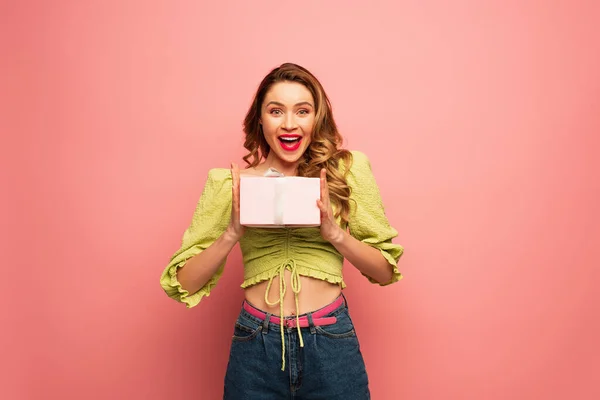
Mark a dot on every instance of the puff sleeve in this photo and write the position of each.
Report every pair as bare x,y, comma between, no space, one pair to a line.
368,222
209,221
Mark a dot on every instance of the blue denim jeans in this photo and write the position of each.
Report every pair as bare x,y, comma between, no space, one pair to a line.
330,365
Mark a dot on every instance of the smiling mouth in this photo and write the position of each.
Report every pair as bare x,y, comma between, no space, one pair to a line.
290,142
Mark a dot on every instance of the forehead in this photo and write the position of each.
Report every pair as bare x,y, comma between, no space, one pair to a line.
288,93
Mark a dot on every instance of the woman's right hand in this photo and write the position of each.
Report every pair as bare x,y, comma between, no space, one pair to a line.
235,231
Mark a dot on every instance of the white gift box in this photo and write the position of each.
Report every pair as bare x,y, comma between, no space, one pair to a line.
271,202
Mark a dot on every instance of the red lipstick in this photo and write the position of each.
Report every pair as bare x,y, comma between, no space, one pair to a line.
290,142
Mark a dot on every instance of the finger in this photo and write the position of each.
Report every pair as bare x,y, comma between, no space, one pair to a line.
322,184
232,174
232,177
324,187
237,178
235,174
322,207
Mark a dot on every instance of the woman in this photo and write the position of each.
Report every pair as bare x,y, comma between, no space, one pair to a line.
313,351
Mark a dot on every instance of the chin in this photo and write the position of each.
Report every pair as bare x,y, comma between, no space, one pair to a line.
289,157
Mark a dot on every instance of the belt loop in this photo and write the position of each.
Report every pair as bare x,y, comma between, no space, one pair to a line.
345,301
265,325
311,323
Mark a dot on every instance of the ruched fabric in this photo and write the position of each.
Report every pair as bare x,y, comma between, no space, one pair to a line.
267,252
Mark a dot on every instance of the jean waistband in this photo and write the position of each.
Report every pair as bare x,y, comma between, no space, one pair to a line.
317,317
310,319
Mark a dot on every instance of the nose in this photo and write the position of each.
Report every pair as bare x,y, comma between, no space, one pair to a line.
289,122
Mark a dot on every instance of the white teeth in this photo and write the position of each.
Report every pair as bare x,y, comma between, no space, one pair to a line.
287,139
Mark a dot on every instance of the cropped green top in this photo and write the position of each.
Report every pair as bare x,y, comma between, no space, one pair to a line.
268,252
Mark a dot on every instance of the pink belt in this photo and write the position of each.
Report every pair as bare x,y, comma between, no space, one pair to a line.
317,316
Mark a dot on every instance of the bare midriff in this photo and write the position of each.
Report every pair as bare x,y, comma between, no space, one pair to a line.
315,294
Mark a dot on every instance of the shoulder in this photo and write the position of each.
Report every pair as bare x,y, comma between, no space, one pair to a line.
219,174
218,179
359,162
359,159
360,175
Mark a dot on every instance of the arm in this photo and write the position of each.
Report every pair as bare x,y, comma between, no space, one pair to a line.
368,243
198,270
198,264
368,260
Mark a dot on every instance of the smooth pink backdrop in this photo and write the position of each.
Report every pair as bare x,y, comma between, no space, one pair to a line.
481,120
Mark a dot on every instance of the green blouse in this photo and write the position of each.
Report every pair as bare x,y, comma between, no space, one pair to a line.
267,252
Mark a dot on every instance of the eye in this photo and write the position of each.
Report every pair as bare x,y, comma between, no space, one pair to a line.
275,111
304,112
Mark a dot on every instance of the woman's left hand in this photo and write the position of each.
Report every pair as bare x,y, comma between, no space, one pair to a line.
330,230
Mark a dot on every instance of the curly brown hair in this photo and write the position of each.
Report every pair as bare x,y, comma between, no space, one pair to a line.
324,150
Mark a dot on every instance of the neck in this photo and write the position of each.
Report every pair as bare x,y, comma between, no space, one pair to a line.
286,168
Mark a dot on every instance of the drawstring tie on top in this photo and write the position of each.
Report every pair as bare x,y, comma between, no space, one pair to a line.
296,286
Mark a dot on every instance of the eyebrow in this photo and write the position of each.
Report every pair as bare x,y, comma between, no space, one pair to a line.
302,103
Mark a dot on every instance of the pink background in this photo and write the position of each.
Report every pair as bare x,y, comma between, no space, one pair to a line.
481,120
